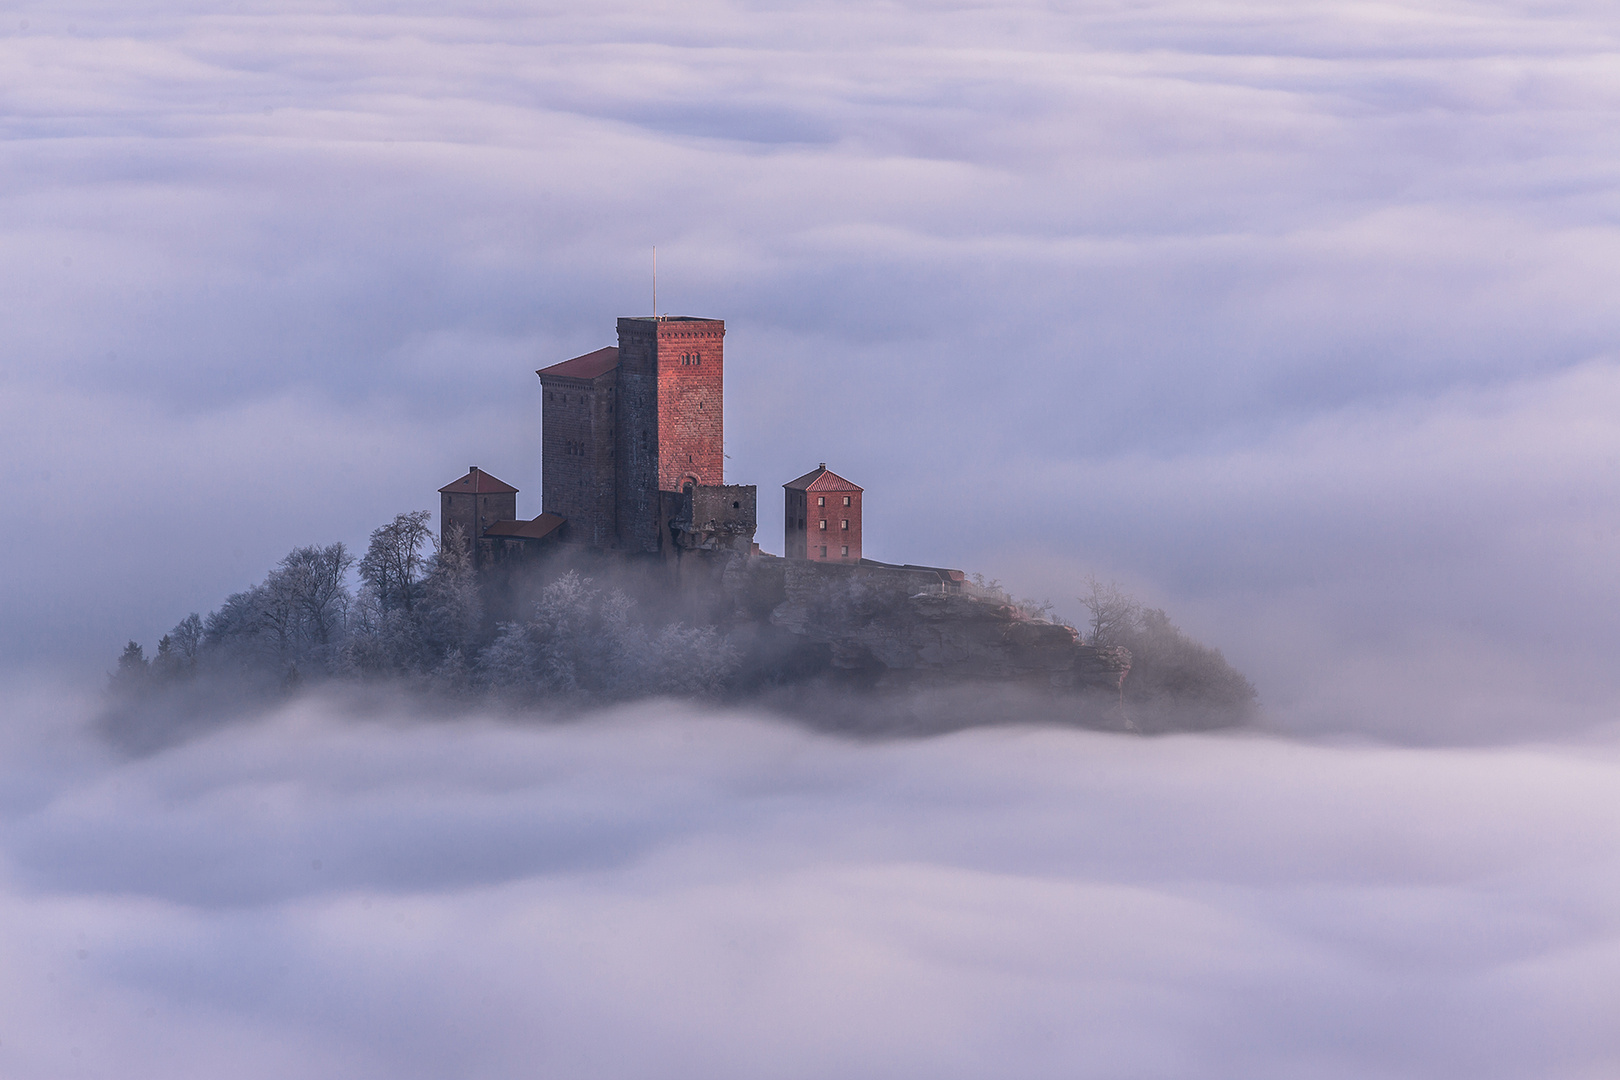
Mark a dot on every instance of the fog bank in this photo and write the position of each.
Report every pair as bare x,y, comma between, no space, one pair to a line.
656,892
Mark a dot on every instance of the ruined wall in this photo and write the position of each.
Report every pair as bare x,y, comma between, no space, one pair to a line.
717,517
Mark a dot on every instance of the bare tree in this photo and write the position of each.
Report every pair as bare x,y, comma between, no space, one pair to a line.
177,650
307,595
1113,613
452,610
394,563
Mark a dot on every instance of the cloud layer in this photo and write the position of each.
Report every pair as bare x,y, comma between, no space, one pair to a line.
657,892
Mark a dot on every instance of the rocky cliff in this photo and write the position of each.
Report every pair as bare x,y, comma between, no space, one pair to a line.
904,625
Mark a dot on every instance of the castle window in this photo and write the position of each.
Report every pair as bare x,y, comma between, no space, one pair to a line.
846,500
846,551
736,506
823,551
823,525
846,525
821,500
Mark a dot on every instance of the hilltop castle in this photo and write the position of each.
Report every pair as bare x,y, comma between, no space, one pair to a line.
633,461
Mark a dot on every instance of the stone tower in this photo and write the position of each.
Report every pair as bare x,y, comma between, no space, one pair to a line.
670,432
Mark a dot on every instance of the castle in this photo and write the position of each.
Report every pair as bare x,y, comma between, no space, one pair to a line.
633,461
633,468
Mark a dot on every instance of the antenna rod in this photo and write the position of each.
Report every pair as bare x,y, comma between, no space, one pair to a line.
655,282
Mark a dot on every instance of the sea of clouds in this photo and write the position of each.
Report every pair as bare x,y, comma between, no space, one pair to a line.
664,892
1295,318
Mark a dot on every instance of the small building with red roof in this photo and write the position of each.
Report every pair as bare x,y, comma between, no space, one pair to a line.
475,502
822,518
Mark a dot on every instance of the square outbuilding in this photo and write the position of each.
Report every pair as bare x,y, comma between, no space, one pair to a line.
822,518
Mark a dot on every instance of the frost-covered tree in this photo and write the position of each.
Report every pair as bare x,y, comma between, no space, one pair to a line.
312,583
510,662
395,563
1113,612
683,659
178,649
298,613
452,612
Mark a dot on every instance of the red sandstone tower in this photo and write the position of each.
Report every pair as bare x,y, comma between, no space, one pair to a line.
822,518
671,420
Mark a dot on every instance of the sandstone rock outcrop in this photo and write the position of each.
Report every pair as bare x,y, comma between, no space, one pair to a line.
901,625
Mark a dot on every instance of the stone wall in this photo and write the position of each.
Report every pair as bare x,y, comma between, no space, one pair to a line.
577,447
691,403
636,437
474,513
717,518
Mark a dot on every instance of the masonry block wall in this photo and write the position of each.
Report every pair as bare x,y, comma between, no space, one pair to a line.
671,420
794,542
578,413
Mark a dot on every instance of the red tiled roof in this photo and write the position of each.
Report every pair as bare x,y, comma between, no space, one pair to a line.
822,479
538,529
588,366
487,484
